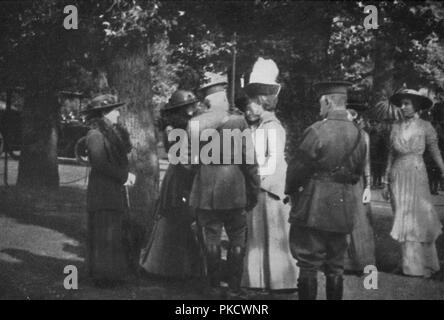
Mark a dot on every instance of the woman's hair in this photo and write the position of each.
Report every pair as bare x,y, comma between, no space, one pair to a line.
267,102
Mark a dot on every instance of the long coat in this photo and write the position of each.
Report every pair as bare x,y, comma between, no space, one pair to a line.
107,252
225,186
325,204
108,174
268,262
270,154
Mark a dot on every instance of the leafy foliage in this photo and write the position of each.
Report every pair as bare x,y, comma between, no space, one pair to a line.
309,41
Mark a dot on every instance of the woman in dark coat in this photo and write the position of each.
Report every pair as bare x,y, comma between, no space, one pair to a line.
172,249
108,145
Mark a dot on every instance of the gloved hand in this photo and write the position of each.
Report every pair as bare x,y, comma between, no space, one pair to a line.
131,180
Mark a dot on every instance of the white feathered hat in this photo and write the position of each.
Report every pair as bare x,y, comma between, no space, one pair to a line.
263,79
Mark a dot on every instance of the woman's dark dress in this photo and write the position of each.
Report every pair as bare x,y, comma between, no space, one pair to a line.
172,249
106,204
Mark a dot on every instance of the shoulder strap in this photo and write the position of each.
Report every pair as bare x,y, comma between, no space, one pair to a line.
348,154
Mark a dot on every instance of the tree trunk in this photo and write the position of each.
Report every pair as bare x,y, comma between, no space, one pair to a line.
130,74
38,165
383,76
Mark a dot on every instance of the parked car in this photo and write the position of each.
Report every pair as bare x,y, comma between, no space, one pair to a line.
70,130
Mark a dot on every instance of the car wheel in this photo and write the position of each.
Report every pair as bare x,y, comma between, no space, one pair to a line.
81,151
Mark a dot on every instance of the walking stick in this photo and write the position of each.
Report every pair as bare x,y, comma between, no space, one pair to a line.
130,242
233,72
128,205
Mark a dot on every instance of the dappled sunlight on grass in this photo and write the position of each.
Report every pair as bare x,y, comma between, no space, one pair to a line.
34,239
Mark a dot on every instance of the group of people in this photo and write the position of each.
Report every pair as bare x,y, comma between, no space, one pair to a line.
282,226
241,197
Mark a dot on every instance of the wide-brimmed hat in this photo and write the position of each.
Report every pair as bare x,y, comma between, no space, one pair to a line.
180,98
213,82
263,79
421,101
104,102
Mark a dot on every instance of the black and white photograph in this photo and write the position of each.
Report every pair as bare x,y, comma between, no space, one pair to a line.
240,152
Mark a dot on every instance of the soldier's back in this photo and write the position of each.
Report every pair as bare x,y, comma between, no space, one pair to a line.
217,185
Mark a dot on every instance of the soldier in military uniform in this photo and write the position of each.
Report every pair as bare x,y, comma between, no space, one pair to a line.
330,162
222,192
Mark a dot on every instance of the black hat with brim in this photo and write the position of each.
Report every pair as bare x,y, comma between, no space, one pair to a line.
170,106
180,98
422,102
262,89
102,109
102,103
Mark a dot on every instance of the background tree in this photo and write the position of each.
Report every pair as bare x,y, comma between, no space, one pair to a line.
147,49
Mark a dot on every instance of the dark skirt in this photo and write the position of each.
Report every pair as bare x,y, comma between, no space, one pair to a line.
172,250
106,257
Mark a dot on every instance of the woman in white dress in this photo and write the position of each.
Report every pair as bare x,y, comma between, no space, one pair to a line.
416,225
268,263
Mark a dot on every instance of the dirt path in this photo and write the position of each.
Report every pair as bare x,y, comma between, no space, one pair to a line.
41,234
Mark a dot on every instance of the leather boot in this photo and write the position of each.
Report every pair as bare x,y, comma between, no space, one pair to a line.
213,265
307,288
334,287
235,259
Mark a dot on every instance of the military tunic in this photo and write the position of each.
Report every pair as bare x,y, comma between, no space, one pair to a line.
221,192
324,213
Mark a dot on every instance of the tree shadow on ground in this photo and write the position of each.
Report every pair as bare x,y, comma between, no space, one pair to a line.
35,277
63,210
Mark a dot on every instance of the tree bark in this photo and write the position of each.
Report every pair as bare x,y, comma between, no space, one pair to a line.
129,74
383,72
38,165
